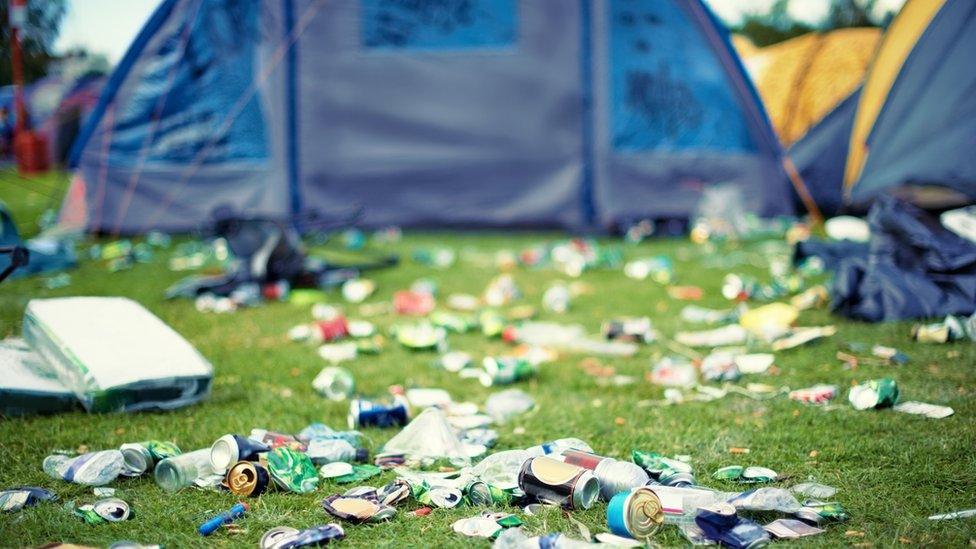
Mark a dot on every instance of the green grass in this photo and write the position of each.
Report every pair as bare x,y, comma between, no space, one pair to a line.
893,470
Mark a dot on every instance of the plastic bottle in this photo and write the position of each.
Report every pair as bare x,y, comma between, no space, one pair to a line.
681,504
92,469
501,469
614,475
180,471
325,450
334,383
559,446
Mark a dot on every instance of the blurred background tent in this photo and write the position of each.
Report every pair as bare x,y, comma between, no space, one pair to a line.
911,129
451,113
804,78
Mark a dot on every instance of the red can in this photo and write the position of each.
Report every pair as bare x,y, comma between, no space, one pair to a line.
334,329
410,303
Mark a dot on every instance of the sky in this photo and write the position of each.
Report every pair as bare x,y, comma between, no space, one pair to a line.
108,26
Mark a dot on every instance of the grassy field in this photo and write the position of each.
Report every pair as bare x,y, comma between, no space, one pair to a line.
892,470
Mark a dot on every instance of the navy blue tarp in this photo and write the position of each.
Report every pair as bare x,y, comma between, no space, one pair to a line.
912,267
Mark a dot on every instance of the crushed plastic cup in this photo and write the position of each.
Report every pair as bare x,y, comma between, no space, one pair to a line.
428,436
334,383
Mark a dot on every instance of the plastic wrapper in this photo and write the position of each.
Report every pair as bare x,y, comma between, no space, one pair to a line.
115,355
429,436
29,385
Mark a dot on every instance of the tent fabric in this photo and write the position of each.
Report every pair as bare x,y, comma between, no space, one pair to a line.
926,132
913,268
46,255
820,156
899,42
457,113
923,136
803,79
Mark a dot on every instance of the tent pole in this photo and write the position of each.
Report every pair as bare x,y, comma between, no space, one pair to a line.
801,189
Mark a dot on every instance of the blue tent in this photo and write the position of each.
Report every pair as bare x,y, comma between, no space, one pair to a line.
549,113
911,129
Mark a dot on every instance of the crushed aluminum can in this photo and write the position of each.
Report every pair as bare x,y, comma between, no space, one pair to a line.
247,479
141,457
638,329
357,509
444,497
719,366
451,322
506,370
555,482
16,499
877,393
365,413
636,514
277,536
292,470
314,536
421,336
817,394
481,493
720,523
673,372
112,509
394,492
230,449
276,440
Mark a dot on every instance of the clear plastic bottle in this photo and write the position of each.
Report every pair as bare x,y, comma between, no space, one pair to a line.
331,450
180,471
680,504
558,446
92,469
